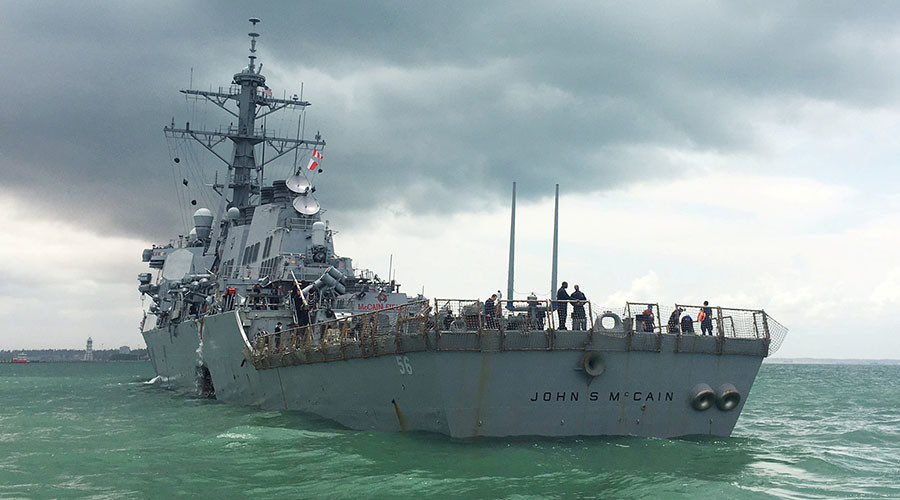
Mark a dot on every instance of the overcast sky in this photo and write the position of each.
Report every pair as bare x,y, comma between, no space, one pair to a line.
741,152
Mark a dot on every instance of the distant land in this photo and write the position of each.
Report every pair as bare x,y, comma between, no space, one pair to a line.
66,355
831,361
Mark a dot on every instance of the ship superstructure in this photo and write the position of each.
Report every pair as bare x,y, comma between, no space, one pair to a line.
256,307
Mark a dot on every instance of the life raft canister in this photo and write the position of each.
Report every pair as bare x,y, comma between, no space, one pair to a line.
729,398
593,363
702,397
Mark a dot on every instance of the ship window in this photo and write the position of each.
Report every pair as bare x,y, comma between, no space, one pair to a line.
268,247
255,252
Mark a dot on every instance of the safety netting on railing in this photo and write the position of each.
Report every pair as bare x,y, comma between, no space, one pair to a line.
472,324
460,315
727,322
777,334
391,330
572,315
525,316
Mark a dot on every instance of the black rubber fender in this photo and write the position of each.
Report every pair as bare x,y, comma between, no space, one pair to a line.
702,397
728,397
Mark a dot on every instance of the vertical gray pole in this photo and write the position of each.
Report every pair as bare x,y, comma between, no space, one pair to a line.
555,245
512,251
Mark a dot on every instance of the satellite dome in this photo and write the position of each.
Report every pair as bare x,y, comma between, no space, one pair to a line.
233,213
202,223
204,212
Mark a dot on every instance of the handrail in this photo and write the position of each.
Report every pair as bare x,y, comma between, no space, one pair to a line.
422,325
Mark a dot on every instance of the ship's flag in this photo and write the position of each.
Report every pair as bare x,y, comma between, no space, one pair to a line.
317,154
268,91
313,164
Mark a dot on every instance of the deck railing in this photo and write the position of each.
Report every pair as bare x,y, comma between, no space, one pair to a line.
511,325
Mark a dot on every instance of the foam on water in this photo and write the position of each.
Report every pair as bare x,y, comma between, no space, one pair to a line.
112,430
159,379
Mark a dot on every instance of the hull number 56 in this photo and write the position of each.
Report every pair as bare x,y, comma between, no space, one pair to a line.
403,363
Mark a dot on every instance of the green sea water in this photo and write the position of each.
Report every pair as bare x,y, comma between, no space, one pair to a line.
101,431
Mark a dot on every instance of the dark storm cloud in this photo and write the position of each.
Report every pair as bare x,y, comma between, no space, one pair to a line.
436,106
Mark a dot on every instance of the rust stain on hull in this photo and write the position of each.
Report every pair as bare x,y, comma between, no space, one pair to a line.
483,376
281,384
400,418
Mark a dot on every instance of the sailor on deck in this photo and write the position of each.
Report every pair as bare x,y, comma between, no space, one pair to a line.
562,308
675,320
647,317
490,309
687,324
579,319
705,319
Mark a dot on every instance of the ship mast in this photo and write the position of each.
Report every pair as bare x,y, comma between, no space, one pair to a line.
253,101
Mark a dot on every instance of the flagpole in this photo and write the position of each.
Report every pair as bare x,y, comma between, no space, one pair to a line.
299,120
302,114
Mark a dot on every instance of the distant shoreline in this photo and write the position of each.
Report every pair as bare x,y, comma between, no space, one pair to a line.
830,361
41,361
123,353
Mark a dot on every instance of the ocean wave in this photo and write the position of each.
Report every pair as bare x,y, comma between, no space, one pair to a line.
159,379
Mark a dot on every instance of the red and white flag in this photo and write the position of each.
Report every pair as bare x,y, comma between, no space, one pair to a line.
317,154
313,164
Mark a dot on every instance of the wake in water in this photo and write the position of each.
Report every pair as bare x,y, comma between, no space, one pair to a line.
159,379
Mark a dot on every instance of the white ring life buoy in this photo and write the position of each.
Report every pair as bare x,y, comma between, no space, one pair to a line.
729,398
617,322
593,363
702,397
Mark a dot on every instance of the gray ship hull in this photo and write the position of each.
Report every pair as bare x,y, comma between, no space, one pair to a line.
175,353
474,393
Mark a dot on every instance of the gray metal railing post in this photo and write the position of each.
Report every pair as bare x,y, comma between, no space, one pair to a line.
721,325
437,326
397,341
590,315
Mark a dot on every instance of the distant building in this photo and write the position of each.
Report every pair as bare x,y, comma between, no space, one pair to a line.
124,350
89,350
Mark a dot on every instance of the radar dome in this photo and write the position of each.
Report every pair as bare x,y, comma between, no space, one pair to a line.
233,213
202,223
204,213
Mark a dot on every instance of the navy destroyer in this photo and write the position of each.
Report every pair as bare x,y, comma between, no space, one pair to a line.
256,307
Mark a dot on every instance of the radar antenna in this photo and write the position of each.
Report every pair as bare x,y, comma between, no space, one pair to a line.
253,36
253,100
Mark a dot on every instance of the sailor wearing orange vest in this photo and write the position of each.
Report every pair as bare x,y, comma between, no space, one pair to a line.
705,319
